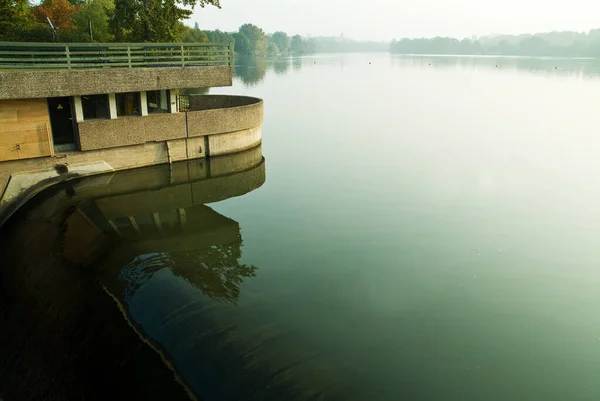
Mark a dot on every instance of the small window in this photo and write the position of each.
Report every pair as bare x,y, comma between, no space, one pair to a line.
94,107
128,104
158,101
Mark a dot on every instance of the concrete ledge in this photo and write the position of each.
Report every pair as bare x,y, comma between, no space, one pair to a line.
102,134
234,141
209,102
212,115
218,114
40,84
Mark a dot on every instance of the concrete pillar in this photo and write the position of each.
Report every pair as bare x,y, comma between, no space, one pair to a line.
112,106
182,217
78,108
173,94
157,223
144,101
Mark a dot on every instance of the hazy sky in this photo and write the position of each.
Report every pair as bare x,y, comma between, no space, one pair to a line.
388,19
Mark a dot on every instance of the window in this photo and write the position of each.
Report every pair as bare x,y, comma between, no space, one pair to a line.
128,104
94,106
158,101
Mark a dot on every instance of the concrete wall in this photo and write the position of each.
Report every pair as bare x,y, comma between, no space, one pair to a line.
228,119
234,141
207,102
24,129
235,125
99,134
42,84
125,143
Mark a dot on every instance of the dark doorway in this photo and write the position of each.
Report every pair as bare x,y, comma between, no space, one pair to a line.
61,119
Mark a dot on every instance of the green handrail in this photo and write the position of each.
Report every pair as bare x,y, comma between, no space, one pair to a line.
20,55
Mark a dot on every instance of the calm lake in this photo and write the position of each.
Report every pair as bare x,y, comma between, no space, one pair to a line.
413,228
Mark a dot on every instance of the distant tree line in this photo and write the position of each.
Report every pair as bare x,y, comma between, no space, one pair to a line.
557,44
252,40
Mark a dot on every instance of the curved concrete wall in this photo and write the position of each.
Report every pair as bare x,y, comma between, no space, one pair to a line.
208,102
218,114
102,134
231,142
235,122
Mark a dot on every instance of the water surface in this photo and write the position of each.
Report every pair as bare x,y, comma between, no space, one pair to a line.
427,230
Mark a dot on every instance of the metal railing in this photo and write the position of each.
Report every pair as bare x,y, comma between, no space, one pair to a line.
20,55
184,102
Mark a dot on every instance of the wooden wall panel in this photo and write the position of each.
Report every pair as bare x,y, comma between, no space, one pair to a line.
24,127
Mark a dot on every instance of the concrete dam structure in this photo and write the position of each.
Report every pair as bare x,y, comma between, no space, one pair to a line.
72,110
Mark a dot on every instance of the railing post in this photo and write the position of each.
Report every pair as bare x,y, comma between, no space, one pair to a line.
68,54
182,57
231,50
129,56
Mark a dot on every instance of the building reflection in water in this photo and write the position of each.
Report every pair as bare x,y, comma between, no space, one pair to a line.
110,234
156,218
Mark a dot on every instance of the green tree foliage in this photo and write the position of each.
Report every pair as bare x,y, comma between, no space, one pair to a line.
256,37
282,40
132,21
152,20
219,36
242,44
273,49
15,16
147,20
559,44
95,12
296,44
300,45
194,35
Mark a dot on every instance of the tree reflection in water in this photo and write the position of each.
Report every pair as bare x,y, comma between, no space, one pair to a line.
215,271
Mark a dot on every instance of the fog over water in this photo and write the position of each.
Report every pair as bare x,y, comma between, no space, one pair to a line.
387,19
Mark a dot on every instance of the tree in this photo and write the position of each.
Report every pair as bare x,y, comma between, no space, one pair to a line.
218,36
194,35
257,38
60,13
297,44
242,43
15,15
282,40
152,20
273,50
95,12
